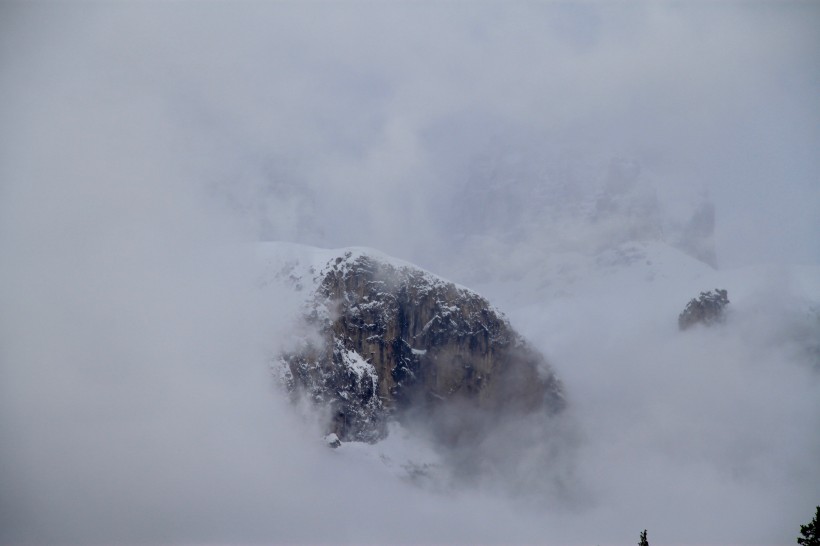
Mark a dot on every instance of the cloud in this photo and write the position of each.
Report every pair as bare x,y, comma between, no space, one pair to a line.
362,111
142,142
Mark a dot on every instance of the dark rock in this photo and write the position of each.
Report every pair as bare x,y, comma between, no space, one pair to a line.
706,309
397,341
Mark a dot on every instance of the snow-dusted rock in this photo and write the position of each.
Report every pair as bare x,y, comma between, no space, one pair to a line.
705,309
395,340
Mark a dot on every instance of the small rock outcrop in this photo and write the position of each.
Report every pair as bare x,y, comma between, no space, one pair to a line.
332,440
706,309
395,340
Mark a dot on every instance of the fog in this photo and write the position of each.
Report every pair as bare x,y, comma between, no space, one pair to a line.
143,145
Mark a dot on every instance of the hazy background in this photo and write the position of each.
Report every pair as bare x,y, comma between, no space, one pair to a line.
140,141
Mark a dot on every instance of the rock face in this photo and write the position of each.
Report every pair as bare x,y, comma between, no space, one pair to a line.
396,340
705,309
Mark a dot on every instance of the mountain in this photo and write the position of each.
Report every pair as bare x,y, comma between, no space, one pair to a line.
536,203
394,341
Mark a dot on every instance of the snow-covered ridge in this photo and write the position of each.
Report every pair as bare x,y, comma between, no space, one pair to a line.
307,264
304,267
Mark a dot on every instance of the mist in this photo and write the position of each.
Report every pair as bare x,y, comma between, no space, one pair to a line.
144,145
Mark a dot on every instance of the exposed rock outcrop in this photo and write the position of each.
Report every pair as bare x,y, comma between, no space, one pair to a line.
396,340
705,309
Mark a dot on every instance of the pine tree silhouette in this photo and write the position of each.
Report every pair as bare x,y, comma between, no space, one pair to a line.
809,531
643,541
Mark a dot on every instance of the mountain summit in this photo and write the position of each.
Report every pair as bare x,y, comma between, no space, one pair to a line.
397,341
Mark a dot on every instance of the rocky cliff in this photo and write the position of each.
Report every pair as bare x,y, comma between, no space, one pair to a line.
395,341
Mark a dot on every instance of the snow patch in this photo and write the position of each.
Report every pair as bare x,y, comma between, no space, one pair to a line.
358,365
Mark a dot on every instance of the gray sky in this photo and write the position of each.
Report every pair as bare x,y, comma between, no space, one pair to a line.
343,123
137,138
